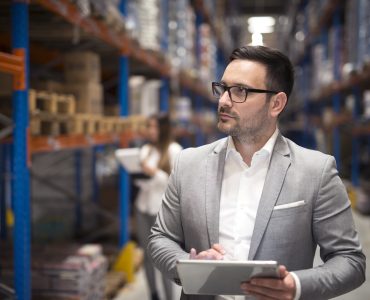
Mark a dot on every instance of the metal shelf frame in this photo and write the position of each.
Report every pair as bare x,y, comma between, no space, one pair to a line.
127,46
333,94
23,146
20,167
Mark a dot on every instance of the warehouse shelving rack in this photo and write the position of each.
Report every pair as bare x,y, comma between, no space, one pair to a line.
25,145
338,88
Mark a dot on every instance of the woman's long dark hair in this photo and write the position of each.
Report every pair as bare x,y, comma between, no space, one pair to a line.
164,141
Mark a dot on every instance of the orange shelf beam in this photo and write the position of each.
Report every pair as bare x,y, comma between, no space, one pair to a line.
14,64
39,144
361,130
361,80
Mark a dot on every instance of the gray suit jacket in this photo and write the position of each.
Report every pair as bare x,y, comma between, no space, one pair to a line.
189,217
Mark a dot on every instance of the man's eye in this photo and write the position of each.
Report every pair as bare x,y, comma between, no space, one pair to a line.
238,90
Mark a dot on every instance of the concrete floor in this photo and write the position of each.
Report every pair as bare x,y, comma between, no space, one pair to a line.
139,289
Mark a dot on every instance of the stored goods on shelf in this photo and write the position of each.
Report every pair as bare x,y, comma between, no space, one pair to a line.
144,96
82,67
50,124
86,124
6,84
89,96
146,23
366,99
80,275
182,33
109,12
42,101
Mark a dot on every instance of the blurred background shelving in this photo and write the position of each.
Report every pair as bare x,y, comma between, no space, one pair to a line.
79,77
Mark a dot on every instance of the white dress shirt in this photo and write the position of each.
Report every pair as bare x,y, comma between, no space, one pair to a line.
149,198
241,192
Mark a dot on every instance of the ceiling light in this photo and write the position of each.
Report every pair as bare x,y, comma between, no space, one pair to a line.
261,24
260,29
266,21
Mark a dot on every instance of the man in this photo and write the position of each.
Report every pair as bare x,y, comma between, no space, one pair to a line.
256,195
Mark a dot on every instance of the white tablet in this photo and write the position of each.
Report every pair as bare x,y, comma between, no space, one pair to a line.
129,159
219,277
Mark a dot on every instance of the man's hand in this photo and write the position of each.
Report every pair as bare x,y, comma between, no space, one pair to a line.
269,288
215,253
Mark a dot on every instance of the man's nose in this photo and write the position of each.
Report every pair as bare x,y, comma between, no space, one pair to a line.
225,100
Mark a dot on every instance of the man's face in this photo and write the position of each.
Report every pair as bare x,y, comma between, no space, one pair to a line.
251,119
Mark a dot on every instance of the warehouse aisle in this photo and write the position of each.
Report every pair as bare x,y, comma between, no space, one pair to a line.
139,290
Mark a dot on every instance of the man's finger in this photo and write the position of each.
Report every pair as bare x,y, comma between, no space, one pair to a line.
219,248
193,253
283,271
209,254
275,284
263,292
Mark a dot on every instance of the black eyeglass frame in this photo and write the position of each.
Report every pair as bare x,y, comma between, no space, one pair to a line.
247,90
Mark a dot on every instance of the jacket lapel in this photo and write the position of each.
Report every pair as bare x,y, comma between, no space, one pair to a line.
280,162
214,173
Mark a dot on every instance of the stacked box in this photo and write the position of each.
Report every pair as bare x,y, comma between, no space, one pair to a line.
6,84
182,33
81,276
83,75
82,67
145,16
144,96
351,35
89,97
208,54
61,271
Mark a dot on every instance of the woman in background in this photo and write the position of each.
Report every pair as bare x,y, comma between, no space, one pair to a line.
157,159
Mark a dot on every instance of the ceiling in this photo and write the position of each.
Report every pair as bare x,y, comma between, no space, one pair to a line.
263,7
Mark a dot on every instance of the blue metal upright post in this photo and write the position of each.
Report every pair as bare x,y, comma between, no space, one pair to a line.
94,179
198,100
355,165
20,180
3,227
123,94
337,96
78,187
305,84
164,94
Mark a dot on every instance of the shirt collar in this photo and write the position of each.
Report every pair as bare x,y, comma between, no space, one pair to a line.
267,148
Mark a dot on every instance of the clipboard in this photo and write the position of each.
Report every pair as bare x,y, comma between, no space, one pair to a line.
219,277
129,159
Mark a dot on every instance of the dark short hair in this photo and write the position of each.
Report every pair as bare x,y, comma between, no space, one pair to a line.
279,69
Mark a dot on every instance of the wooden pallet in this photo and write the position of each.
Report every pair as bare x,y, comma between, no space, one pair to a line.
137,123
86,124
42,101
50,124
114,125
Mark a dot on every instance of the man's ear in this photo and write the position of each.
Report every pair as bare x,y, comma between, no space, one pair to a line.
278,103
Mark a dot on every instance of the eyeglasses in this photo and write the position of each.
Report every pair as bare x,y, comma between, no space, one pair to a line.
237,94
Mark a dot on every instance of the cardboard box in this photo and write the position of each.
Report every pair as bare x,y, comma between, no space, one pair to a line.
49,85
89,97
82,67
6,84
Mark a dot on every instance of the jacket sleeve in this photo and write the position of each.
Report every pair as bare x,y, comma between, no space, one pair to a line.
166,240
333,229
